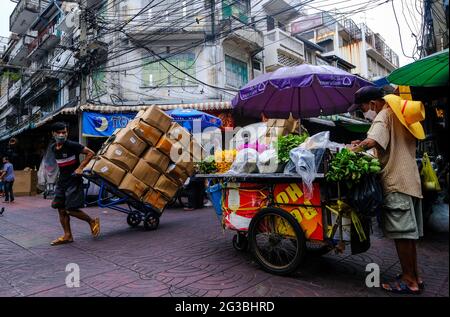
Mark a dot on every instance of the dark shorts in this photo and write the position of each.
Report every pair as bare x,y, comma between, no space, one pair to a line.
69,194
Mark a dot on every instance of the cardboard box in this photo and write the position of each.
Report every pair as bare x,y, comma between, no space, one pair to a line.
290,125
120,156
178,133
156,199
129,140
108,170
276,132
173,149
185,165
133,186
157,118
146,173
176,173
156,159
25,182
166,186
145,131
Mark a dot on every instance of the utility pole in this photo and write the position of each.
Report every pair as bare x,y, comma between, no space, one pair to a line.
83,55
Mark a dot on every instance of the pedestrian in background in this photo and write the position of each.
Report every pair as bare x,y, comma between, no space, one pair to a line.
7,176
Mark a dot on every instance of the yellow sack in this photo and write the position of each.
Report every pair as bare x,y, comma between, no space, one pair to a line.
429,177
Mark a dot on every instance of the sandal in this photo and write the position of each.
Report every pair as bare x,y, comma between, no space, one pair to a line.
421,284
95,228
400,287
61,240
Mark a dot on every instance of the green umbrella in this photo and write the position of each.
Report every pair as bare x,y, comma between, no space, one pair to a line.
429,71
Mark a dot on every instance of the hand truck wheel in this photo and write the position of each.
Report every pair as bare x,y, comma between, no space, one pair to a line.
134,219
151,221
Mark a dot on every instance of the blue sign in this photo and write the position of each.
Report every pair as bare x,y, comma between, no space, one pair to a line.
104,124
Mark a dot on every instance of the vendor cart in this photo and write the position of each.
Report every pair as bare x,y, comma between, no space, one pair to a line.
111,197
275,221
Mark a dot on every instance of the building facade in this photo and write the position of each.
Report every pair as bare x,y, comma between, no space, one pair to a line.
349,46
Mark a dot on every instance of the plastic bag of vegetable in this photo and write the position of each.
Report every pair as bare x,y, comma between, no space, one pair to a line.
245,162
367,196
305,165
268,162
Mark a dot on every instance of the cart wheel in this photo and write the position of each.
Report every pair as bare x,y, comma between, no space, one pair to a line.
151,222
240,242
134,219
277,241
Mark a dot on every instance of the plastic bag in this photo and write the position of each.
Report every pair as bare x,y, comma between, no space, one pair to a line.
320,140
48,169
367,196
429,177
305,165
245,162
268,162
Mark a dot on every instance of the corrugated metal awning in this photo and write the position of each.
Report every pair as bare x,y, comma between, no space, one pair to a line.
204,106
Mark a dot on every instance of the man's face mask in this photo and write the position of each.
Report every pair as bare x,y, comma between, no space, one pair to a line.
370,115
60,137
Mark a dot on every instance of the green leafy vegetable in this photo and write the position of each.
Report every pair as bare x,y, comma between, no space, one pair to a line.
349,166
288,142
207,166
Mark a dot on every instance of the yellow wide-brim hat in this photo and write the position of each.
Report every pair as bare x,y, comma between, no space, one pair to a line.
409,112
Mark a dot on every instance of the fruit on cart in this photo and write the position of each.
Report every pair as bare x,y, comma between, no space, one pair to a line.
351,167
224,159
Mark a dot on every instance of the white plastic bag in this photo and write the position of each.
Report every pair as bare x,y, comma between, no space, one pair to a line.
48,170
245,162
268,162
305,165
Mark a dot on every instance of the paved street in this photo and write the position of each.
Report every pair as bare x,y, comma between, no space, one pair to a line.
189,255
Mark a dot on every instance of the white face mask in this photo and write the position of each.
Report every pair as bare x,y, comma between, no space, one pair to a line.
370,115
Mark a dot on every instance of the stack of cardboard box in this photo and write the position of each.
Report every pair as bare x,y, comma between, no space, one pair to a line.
279,127
150,159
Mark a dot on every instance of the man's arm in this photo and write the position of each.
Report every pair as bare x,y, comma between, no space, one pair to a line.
365,145
89,154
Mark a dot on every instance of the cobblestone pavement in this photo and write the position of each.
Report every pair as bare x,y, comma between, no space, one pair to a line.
189,255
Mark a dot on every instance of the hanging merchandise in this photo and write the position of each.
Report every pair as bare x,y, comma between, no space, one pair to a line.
429,177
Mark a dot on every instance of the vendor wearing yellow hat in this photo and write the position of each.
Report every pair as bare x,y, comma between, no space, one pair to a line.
393,134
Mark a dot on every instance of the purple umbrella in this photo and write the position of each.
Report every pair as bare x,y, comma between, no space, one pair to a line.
304,90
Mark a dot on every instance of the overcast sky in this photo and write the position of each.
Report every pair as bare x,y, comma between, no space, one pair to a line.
380,19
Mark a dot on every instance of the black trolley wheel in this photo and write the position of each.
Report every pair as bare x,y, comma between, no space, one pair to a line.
240,242
134,219
151,221
277,241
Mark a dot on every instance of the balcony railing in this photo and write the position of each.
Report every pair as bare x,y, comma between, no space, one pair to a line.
21,18
50,35
14,89
20,50
281,49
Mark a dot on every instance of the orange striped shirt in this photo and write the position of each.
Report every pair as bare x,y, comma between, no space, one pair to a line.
397,154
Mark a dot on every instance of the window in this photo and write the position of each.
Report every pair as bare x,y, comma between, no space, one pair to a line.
236,72
256,65
240,9
164,74
270,23
99,83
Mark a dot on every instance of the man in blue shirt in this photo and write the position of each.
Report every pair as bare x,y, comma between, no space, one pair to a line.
7,174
